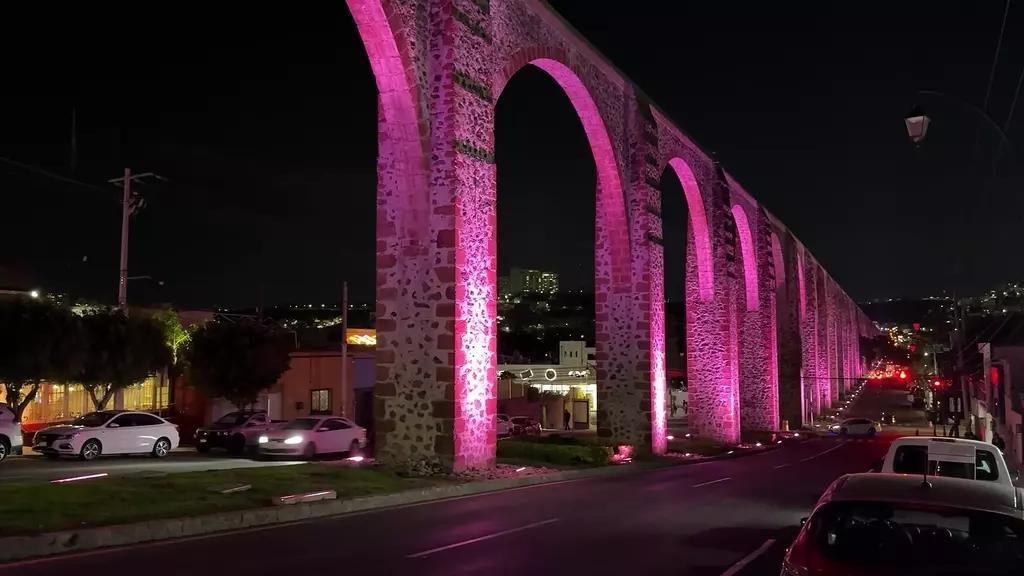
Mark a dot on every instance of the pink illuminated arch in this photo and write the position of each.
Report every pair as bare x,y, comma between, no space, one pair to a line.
699,224
749,261
800,281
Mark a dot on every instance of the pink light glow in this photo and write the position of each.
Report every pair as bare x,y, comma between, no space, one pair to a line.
356,458
779,261
77,478
699,224
800,281
520,469
749,260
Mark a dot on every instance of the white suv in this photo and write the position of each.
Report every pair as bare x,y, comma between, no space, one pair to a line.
951,457
10,432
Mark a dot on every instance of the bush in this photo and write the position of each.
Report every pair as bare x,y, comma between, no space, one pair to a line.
538,450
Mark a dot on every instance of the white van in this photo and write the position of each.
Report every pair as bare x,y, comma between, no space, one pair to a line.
950,457
10,433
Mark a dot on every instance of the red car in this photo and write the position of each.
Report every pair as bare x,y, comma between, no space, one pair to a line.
525,425
901,524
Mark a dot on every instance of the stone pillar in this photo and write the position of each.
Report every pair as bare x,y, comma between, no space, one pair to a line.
711,333
808,283
824,375
754,317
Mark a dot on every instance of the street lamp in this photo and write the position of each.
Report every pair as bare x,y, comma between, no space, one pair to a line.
917,124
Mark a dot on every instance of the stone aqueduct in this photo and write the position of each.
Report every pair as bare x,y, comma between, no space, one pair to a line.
768,330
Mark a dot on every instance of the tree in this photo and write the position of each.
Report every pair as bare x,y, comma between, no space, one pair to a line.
122,351
509,376
178,338
237,360
39,341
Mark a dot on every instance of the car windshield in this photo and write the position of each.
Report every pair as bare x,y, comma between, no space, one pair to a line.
233,418
923,539
93,419
302,424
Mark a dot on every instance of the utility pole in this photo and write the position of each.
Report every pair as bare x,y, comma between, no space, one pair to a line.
344,339
129,205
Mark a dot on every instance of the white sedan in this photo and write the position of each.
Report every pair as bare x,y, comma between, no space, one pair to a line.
312,435
108,432
856,426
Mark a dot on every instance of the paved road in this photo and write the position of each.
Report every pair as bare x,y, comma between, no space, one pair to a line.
688,520
697,519
35,467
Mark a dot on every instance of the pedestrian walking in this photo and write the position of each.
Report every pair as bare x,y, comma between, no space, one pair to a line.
566,418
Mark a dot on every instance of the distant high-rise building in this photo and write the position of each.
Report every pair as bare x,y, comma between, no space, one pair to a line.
504,285
526,280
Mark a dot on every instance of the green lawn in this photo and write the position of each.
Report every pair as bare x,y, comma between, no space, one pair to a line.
695,445
33,508
552,451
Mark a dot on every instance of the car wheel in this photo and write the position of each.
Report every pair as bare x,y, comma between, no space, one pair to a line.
310,452
5,449
871,431
203,448
90,450
842,431
161,448
237,444
353,449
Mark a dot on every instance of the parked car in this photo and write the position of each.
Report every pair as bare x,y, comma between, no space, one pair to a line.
236,431
881,524
504,425
10,432
949,457
855,426
108,432
310,436
525,425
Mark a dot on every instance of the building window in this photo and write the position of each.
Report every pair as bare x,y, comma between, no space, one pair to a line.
320,401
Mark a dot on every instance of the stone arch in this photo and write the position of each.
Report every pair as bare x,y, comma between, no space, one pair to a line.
746,241
699,225
611,204
778,262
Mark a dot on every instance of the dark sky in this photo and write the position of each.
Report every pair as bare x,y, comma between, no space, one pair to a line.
264,120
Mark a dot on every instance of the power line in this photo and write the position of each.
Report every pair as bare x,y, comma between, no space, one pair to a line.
48,174
995,59
1016,93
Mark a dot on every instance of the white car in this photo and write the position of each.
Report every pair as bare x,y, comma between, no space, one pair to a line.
855,426
312,435
10,432
503,425
897,524
108,432
949,457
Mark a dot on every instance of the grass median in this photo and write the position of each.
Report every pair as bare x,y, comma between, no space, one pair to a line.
553,451
35,508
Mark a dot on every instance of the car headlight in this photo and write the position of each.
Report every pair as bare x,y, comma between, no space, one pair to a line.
263,440
294,440
67,436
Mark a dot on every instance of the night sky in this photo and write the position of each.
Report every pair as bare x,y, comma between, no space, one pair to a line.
264,120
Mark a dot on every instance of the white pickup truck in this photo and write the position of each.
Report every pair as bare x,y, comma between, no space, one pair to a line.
10,432
236,431
952,457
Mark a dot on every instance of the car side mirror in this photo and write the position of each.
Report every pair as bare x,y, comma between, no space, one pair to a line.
113,425
876,466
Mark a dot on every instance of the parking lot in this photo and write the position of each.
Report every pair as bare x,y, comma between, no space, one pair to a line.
33,466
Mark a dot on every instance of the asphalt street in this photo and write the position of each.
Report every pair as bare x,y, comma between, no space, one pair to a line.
732,517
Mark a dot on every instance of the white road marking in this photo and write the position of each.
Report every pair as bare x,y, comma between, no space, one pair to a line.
781,466
735,568
836,447
426,553
711,482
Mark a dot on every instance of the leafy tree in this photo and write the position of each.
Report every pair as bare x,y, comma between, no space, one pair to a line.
237,360
178,338
39,341
122,351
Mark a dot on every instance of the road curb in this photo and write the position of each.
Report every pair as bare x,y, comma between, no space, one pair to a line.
14,548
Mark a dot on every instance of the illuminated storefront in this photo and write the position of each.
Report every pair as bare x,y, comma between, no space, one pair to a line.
56,402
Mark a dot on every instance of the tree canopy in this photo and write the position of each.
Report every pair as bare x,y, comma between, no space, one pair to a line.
121,351
237,360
